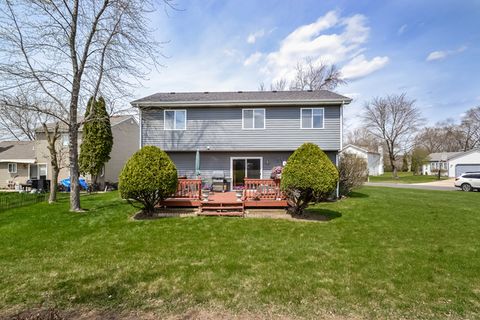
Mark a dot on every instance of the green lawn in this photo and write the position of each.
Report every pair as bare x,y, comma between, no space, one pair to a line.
386,253
404,177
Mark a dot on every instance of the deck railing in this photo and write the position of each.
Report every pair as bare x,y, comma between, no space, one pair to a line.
189,188
262,189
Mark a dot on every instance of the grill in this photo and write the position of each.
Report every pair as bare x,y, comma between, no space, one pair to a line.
219,183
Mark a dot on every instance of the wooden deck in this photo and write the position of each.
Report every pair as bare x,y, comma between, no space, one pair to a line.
258,193
225,198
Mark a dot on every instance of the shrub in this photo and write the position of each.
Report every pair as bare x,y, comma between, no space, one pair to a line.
353,171
148,177
309,176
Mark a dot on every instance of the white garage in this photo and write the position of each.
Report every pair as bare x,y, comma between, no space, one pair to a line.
374,159
464,162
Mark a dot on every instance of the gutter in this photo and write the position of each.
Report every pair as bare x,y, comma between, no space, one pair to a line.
238,103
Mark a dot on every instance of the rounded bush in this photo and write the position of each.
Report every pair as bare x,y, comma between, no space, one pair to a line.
309,176
148,177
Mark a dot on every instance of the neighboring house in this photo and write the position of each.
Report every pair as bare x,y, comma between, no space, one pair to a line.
374,159
242,134
452,164
16,159
33,158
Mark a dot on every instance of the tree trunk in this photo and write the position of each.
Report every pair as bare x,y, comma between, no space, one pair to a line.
394,167
73,156
53,185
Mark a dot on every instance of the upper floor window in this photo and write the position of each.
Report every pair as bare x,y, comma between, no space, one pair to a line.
12,168
65,140
175,120
311,118
253,118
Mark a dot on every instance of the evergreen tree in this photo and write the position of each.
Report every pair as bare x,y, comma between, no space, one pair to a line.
97,139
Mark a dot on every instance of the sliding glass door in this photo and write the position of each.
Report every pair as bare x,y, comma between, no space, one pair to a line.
245,168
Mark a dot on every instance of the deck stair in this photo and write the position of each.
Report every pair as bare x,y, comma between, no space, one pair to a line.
224,208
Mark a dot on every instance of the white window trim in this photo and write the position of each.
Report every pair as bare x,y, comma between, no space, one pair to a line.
312,128
38,170
244,158
264,119
174,117
65,140
13,164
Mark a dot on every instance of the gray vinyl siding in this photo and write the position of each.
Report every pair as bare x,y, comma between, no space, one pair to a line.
212,161
220,129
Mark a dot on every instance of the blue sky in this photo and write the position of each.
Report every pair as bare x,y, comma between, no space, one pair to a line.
428,49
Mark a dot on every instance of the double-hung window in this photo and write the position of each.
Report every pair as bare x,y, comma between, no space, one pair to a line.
311,118
12,168
175,119
253,119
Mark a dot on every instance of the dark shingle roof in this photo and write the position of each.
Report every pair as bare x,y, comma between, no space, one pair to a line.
17,150
241,96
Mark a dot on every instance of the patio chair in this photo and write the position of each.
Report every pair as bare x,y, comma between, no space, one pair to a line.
10,184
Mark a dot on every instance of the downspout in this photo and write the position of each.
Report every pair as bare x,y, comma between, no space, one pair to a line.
337,158
140,122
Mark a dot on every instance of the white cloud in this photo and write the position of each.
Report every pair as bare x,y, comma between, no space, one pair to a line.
439,55
252,37
402,29
359,66
332,39
252,59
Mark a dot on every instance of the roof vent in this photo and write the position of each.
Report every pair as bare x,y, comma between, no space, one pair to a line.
240,91
274,91
205,92
172,92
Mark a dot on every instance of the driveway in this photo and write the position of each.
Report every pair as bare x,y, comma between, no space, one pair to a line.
442,185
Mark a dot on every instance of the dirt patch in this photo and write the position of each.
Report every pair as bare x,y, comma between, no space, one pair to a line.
56,314
282,214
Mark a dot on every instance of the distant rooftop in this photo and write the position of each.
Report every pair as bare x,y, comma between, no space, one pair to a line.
442,156
114,120
234,97
17,151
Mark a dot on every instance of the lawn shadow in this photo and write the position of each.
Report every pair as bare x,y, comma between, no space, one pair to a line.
355,194
318,214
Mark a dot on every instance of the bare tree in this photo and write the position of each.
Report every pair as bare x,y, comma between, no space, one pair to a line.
279,85
261,86
309,75
57,155
68,51
18,123
470,127
316,76
362,137
394,119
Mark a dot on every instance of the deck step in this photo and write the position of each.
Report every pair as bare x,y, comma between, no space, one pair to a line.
222,207
223,214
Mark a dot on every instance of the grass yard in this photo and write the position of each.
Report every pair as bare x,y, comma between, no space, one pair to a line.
386,253
404,177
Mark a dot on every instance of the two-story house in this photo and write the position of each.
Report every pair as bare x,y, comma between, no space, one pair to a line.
242,134
22,161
